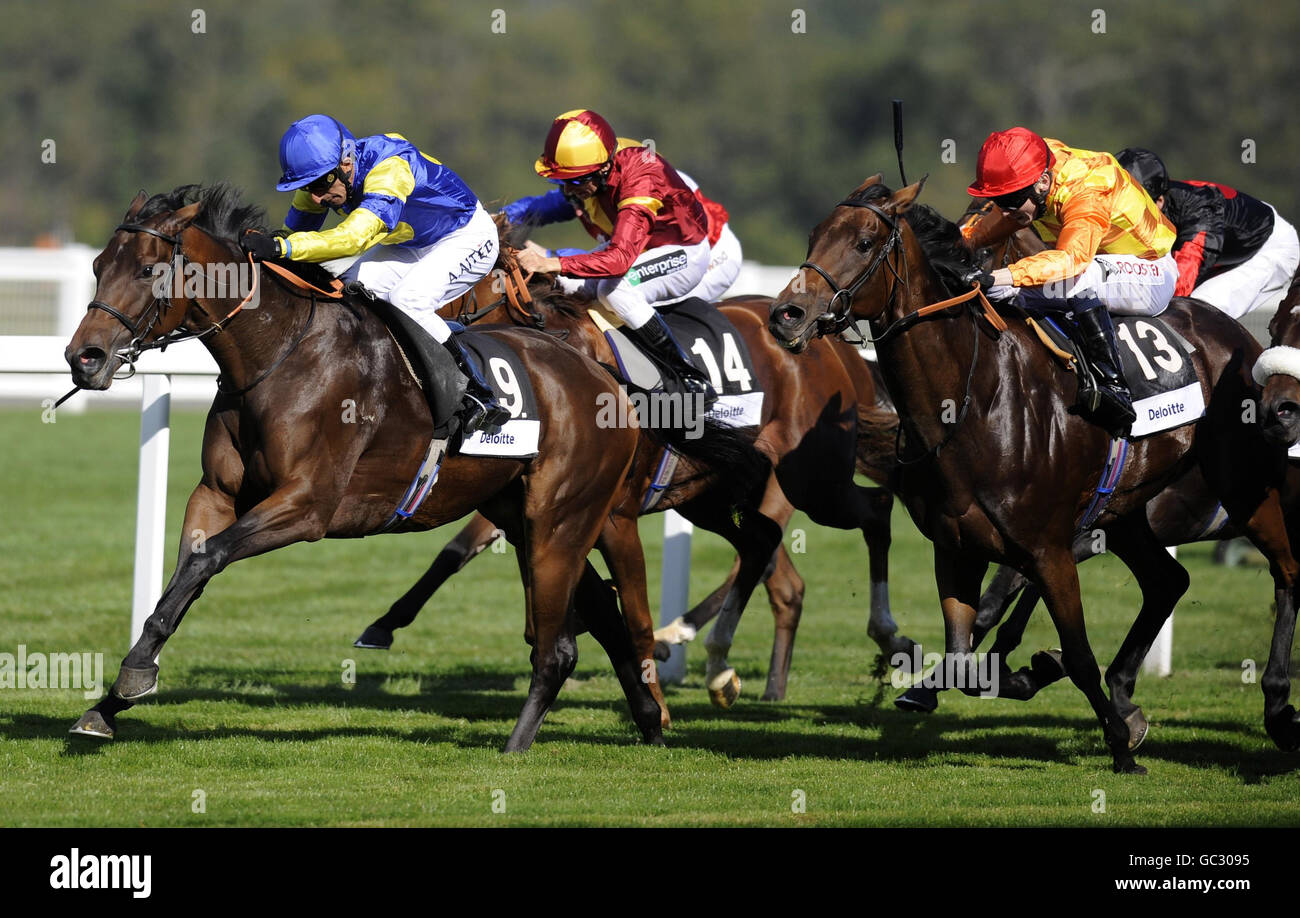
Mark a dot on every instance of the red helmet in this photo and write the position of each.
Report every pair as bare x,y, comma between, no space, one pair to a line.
1008,161
580,142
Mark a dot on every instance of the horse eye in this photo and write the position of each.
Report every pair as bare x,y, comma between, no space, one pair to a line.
864,244
147,270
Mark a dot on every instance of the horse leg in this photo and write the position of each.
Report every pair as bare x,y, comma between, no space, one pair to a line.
477,535
1007,585
294,513
1268,530
877,503
755,540
597,604
785,590
1057,575
684,628
549,585
620,545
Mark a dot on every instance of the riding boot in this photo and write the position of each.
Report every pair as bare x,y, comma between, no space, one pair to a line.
479,408
1112,406
657,338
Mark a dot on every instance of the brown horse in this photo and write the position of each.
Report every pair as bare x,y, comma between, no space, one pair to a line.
1187,511
283,464
995,467
819,418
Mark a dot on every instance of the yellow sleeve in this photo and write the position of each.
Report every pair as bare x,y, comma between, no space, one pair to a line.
360,230
1085,218
390,179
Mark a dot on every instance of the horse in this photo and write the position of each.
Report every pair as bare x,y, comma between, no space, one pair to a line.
818,417
282,463
1007,476
1185,512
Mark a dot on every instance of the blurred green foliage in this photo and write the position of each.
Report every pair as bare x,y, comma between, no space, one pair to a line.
774,123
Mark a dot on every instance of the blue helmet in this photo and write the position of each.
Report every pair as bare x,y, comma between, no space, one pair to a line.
312,147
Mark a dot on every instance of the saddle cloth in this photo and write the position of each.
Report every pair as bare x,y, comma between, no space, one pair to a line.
1157,366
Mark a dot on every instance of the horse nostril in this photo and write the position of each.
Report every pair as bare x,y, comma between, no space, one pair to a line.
1287,410
91,358
790,313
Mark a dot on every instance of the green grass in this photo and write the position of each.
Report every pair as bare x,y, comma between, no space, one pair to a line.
253,711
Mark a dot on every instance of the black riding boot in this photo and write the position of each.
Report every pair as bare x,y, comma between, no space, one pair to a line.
1112,404
480,407
656,337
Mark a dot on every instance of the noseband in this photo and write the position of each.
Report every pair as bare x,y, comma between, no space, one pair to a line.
833,321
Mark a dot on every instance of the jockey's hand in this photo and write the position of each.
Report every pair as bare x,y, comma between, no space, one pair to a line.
261,246
530,246
984,278
535,262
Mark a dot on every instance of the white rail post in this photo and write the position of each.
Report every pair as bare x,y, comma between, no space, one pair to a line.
675,581
151,499
1159,659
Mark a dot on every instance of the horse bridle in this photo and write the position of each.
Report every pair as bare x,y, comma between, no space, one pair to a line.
830,321
161,304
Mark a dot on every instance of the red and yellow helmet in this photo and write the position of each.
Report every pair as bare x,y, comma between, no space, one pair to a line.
1008,161
580,142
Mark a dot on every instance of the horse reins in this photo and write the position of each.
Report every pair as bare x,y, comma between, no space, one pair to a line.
516,296
831,321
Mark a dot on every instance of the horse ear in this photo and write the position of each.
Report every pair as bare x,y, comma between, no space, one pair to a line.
903,198
874,180
136,204
180,219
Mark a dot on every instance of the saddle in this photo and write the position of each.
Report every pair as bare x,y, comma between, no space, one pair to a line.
432,367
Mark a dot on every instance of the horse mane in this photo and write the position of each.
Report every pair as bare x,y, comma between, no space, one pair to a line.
940,239
226,217
543,287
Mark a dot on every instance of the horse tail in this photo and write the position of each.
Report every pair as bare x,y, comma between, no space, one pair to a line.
877,440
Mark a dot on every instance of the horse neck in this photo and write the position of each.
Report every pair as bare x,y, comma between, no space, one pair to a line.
254,337
927,363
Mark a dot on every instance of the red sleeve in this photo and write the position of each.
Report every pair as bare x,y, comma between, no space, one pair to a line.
631,233
1189,256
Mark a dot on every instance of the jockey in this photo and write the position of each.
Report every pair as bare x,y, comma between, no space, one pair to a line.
724,248
1111,254
1233,251
421,235
654,230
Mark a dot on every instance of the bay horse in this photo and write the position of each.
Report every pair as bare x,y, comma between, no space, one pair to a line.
1007,476
819,418
282,463
1187,511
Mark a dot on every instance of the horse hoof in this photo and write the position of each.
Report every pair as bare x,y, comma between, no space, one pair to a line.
900,645
773,695
93,724
918,699
1285,729
1128,767
1137,728
662,651
133,684
374,638
1047,666
724,688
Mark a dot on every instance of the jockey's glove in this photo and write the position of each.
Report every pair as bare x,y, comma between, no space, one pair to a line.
980,276
260,246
